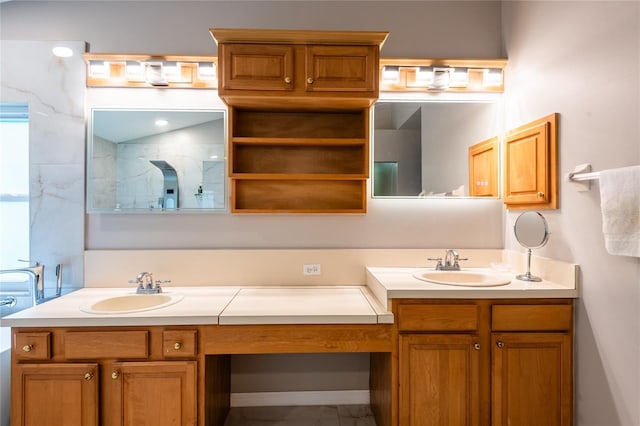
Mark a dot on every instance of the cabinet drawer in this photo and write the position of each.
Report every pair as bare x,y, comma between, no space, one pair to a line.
531,317
438,317
32,346
179,343
106,344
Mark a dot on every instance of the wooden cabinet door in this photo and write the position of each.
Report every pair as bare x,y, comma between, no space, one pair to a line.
531,379
439,380
256,67
150,394
341,68
54,395
530,165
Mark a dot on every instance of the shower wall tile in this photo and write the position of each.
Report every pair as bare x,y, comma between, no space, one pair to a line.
54,90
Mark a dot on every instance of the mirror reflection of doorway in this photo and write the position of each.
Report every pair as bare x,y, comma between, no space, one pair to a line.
385,178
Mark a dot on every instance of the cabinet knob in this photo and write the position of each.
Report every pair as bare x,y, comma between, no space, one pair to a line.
177,346
27,348
476,346
540,194
115,375
500,344
287,80
88,376
310,80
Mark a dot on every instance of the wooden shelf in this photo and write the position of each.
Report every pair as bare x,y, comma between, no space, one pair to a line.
298,195
298,141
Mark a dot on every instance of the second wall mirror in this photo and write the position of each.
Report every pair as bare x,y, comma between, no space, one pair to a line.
421,148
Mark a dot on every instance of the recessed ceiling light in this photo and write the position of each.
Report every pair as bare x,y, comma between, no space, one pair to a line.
161,122
62,52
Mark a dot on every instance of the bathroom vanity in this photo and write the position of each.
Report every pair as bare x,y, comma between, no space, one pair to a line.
439,354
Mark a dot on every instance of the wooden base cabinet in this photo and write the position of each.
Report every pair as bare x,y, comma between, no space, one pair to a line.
485,362
55,394
108,377
531,379
439,380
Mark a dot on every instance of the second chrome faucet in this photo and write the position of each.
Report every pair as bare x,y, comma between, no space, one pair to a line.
451,261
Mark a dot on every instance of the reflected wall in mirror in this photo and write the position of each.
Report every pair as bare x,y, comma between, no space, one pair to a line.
158,160
422,148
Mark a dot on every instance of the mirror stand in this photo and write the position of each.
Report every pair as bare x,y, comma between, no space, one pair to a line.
527,275
531,231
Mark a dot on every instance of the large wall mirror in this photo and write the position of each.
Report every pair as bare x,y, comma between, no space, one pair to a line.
436,148
159,160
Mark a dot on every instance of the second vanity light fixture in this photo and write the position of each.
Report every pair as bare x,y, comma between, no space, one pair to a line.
116,70
486,75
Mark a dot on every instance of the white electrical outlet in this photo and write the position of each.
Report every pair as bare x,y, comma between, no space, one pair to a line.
311,269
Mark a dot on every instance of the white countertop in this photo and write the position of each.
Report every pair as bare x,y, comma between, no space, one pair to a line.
200,305
215,305
301,305
309,304
399,283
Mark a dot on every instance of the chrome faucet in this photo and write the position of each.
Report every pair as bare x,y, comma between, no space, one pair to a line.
451,261
36,274
146,285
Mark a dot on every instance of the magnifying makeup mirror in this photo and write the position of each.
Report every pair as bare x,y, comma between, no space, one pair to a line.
531,232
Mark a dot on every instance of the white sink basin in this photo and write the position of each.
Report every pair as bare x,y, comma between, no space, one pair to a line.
463,278
132,303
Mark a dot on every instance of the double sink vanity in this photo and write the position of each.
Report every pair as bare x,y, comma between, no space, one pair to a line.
475,346
480,348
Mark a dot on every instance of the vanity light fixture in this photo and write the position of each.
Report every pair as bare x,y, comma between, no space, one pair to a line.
134,71
62,51
492,77
206,70
171,69
155,75
459,77
441,79
391,73
99,69
424,75
440,75
121,70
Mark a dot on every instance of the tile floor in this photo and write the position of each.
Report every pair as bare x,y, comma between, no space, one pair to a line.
323,415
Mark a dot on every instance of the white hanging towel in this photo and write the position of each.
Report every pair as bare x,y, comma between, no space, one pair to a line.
620,204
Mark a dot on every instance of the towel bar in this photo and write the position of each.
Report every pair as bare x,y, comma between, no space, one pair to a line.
578,177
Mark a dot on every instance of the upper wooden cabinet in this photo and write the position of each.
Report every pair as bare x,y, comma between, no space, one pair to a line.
531,157
303,68
299,106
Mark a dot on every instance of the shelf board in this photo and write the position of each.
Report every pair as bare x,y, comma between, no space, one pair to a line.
298,141
297,177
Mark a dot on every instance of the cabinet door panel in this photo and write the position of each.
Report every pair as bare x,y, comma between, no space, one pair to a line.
341,68
256,67
531,165
532,379
54,395
439,380
151,394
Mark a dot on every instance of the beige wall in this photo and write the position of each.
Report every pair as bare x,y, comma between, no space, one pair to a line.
581,59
